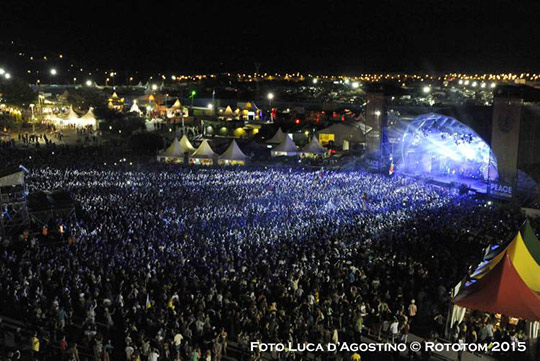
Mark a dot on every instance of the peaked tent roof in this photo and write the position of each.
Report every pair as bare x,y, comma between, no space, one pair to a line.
278,138
174,150
185,145
531,241
228,111
177,104
523,260
503,291
89,114
204,151
134,108
233,152
71,115
314,147
286,146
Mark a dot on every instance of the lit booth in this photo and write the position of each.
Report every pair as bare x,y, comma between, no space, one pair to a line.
286,148
177,152
204,155
313,149
233,155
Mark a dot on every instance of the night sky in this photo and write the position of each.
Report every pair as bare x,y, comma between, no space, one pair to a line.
321,37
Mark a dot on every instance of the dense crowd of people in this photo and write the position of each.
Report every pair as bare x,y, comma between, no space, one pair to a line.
176,263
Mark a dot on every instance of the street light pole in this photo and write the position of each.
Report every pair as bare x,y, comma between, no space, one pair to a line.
214,100
270,96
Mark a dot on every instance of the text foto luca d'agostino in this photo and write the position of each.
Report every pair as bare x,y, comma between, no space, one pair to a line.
385,347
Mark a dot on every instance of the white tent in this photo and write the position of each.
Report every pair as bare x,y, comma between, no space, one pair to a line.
71,115
286,148
204,154
89,114
185,145
233,155
72,119
173,153
313,148
135,108
278,138
89,119
176,151
177,104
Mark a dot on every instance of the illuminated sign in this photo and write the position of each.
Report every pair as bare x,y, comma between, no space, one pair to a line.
500,190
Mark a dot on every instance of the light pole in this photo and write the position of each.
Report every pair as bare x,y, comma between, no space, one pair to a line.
53,72
214,100
270,97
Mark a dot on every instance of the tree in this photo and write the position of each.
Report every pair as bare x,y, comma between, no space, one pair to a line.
17,92
85,98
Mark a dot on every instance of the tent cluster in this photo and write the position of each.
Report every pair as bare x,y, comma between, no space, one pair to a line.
72,119
507,281
286,147
249,111
182,151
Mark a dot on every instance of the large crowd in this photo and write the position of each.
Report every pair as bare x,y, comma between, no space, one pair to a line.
168,262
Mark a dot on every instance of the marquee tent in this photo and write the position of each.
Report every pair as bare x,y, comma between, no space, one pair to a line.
313,148
508,281
173,153
177,104
233,155
71,115
228,112
89,119
185,145
135,108
204,154
176,152
72,119
285,148
278,138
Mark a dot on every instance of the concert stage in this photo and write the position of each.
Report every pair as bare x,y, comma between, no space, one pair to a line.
475,185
